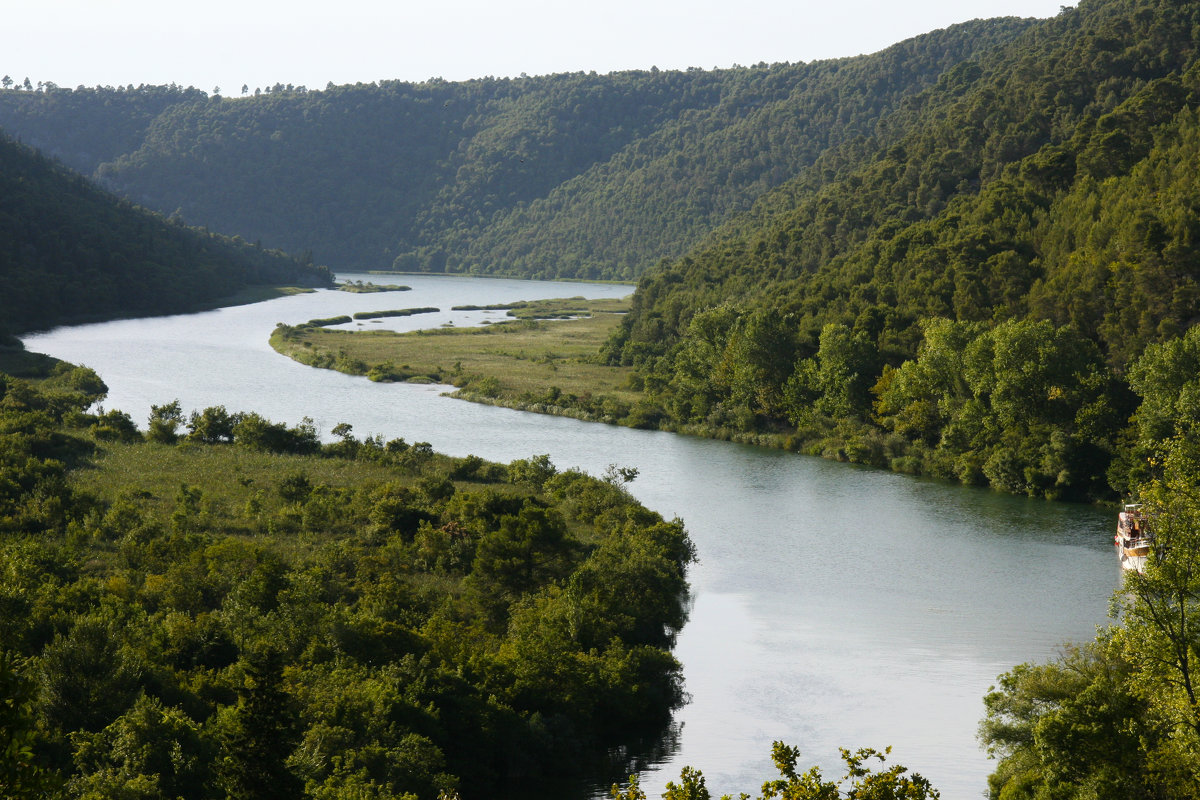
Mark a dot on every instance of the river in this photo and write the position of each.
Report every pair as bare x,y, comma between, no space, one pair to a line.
833,605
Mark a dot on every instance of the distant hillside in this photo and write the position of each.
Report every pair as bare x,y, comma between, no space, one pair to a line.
566,175
71,252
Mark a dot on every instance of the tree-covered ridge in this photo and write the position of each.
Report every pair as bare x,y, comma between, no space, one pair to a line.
1042,194
73,252
226,607
85,127
662,195
577,175
360,174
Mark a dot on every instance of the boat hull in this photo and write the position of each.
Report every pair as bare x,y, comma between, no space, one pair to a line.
1133,558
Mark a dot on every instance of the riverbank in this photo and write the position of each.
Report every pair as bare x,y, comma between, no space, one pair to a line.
539,362
535,361
21,363
242,575
254,294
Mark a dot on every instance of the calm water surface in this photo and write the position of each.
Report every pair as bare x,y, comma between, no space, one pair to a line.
833,606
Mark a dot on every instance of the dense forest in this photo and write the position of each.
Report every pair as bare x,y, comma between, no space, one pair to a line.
574,175
70,252
987,295
225,607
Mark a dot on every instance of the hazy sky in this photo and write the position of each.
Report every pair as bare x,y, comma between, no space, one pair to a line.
229,43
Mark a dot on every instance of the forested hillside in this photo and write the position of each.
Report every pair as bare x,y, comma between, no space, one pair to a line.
577,175
72,252
966,298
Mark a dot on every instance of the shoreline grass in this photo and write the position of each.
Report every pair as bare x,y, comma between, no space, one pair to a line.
396,312
528,362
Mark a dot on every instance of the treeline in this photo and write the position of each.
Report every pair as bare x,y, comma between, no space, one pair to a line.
225,606
972,296
89,126
574,175
71,252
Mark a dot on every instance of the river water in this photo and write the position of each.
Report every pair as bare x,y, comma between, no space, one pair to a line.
833,605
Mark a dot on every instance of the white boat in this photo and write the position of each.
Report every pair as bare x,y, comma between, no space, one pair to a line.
1133,538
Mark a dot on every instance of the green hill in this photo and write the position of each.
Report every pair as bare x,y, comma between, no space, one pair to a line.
971,290
72,252
575,175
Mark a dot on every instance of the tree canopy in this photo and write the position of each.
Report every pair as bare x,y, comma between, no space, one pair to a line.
227,607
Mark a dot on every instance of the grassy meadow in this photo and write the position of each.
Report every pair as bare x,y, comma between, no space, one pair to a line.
544,359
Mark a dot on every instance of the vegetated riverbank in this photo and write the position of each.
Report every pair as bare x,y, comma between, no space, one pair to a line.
546,362
254,294
528,362
253,604
502,275
18,362
1043,421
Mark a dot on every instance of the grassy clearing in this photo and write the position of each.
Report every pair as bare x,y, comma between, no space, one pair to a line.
234,474
238,487
528,363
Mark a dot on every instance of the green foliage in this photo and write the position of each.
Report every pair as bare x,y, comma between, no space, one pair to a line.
21,777
165,421
211,426
253,431
1009,401
258,735
1048,181
1117,718
244,615
859,783
533,471
87,678
398,312
149,751
1071,728
1165,379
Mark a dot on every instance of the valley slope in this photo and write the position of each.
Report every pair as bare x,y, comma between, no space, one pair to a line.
73,252
572,175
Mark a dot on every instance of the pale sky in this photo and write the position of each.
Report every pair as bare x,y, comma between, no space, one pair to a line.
228,43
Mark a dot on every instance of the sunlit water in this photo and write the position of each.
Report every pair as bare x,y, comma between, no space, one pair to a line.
833,606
